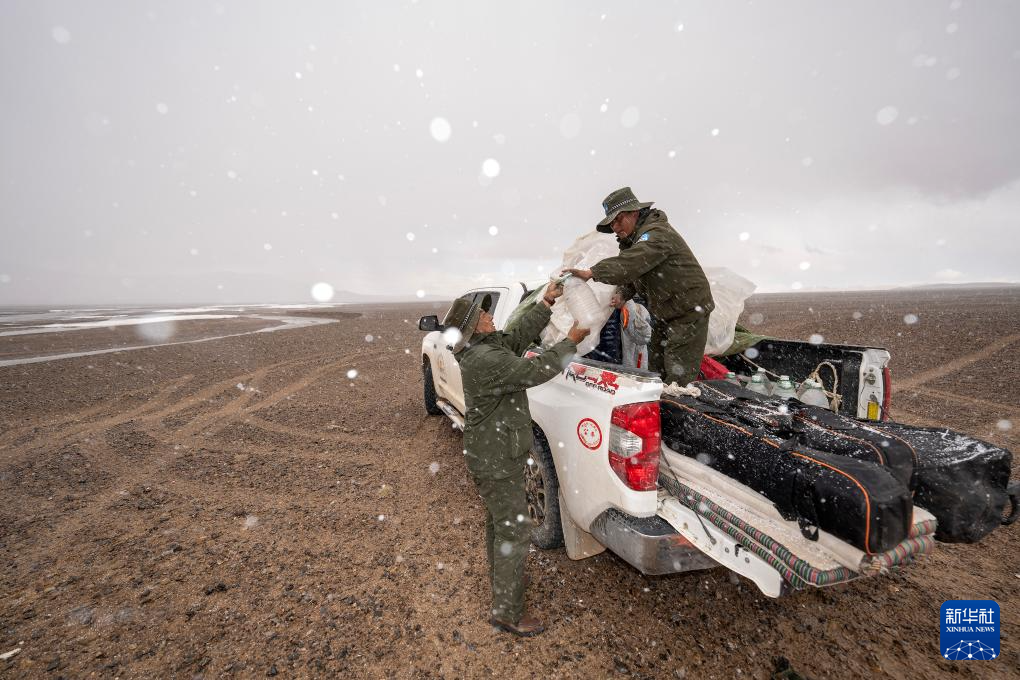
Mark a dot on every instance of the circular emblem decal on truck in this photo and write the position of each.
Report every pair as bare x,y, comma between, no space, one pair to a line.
589,433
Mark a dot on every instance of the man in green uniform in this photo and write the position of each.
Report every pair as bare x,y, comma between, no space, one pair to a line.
497,434
656,262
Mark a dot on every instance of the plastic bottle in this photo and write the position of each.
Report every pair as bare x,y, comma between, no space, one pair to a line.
811,394
582,303
765,380
731,377
784,388
757,384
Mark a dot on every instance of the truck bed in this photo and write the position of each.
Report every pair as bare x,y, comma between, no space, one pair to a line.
861,371
741,530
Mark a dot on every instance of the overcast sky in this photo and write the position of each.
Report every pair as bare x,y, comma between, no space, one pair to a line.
245,151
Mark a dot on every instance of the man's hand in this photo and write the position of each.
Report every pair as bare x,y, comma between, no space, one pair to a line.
576,334
583,274
552,291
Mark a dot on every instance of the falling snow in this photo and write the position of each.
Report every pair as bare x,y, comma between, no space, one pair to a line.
887,115
440,129
322,292
490,167
451,336
630,117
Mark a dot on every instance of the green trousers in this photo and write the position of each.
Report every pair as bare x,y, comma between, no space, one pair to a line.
677,348
507,537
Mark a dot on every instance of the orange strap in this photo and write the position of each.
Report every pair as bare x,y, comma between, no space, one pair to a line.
624,316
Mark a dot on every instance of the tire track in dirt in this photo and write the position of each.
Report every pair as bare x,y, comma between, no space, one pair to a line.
236,409
293,388
903,416
984,404
131,476
146,412
109,407
135,475
45,441
306,435
953,366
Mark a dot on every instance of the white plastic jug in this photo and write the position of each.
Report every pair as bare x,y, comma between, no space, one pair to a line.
757,384
582,303
764,380
784,388
811,393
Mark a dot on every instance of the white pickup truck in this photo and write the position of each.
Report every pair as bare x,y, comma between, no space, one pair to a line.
593,477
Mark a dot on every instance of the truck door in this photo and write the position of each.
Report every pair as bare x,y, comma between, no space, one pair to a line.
447,372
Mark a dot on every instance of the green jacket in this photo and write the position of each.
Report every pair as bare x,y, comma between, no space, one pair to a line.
656,262
497,430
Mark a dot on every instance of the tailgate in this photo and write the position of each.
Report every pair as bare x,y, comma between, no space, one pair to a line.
741,530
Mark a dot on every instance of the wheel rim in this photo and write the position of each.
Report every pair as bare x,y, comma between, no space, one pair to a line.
535,490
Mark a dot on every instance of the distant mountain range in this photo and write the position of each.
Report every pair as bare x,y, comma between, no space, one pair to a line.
55,289
960,286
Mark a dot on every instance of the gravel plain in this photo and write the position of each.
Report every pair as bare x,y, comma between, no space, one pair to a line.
251,507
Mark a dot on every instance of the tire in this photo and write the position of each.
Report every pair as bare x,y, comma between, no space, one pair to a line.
542,491
431,407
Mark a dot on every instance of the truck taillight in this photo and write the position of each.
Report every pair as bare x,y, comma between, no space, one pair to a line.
635,444
886,393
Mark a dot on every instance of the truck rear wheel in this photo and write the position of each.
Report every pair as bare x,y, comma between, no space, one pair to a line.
431,407
542,491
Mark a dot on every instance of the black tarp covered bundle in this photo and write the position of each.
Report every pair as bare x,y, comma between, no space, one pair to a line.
853,479
961,480
862,503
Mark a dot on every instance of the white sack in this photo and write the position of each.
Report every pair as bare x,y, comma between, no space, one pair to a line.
729,291
582,254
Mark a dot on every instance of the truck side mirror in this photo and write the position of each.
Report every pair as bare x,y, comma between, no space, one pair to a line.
429,323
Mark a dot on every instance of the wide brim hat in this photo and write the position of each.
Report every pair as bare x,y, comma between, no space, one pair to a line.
621,200
462,317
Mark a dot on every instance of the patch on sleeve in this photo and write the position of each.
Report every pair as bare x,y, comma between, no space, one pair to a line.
644,237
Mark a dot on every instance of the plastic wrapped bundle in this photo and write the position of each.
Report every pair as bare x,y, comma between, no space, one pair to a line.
583,254
729,291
